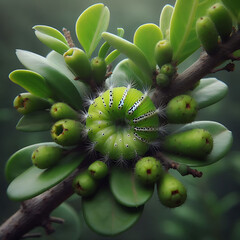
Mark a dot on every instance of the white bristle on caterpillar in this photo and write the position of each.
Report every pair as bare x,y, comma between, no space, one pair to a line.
137,104
121,103
146,129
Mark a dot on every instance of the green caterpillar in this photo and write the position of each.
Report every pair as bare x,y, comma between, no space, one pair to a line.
122,122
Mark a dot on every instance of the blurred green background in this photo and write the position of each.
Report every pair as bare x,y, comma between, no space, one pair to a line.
212,209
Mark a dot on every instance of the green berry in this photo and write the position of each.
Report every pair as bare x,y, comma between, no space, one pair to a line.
196,143
63,111
99,69
46,156
181,109
84,185
168,69
98,170
207,34
27,102
67,132
148,170
163,52
222,20
162,80
78,62
171,191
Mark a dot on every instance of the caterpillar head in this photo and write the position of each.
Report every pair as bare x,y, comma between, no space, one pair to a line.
122,122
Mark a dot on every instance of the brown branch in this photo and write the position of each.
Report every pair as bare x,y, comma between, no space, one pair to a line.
35,212
168,163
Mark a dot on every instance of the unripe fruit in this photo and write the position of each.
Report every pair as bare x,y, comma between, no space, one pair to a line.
222,20
181,109
207,34
193,143
99,69
168,69
162,80
163,52
98,170
27,102
67,132
171,191
148,170
46,156
84,185
78,62
63,111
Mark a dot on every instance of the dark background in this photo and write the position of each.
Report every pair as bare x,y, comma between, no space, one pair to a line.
16,21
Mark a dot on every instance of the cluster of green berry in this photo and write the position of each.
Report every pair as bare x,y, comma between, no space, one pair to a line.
218,22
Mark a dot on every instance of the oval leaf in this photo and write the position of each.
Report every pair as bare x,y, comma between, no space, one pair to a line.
35,181
183,35
208,92
130,50
62,86
50,31
126,72
32,82
35,121
70,229
146,37
90,25
52,42
106,216
127,190
21,160
222,142
165,20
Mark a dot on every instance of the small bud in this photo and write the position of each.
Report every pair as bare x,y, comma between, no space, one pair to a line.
78,62
98,170
171,191
148,170
46,156
181,109
67,132
163,52
63,111
168,69
182,169
222,20
193,143
99,69
84,185
27,102
207,34
162,80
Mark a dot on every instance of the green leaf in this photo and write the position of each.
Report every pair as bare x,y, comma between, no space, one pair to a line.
32,82
126,72
165,20
233,6
35,181
90,25
106,216
208,92
21,160
130,50
146,37
112,56
50,31
222,142
35,121
183,35
63,87
52,42
127,190
70,229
